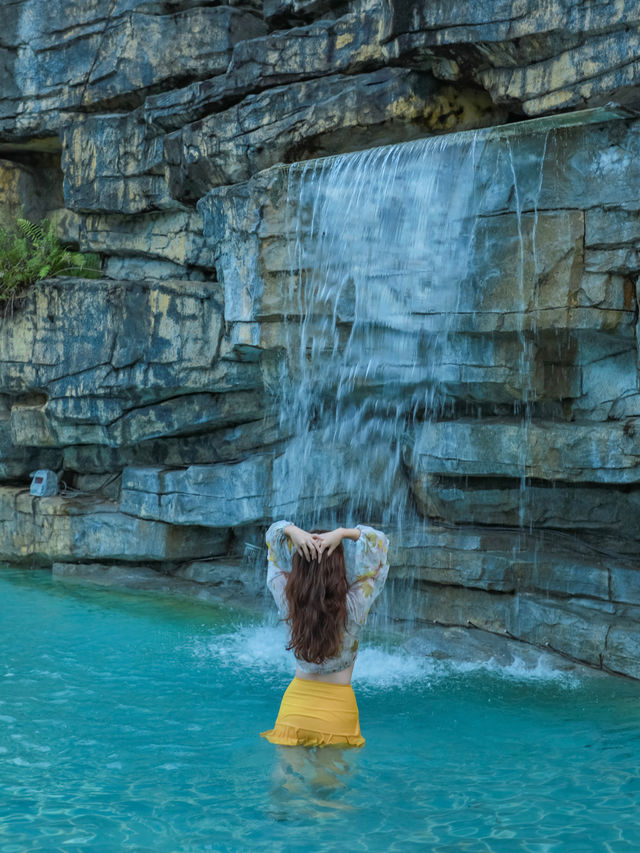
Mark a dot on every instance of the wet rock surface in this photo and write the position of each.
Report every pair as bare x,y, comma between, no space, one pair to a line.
456,645
227,495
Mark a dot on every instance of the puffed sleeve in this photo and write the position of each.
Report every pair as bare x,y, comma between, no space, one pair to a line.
279,551
371,569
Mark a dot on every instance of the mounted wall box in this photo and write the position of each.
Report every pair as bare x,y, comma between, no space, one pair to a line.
44,483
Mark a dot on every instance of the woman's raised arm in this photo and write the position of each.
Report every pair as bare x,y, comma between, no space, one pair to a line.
283,537
371,570
279,548
306,544
328,542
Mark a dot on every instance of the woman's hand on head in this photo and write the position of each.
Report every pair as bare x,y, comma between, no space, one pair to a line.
306,544
328,542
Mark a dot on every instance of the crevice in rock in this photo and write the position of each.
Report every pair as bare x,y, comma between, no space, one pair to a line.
129,102
32,397
426,584
548,536
285,14
108,17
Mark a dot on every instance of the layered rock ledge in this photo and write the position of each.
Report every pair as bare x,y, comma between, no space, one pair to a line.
159,136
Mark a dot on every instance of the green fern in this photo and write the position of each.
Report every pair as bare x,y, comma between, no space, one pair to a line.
33,232
32,252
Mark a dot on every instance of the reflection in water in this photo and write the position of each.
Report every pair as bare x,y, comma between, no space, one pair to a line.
311,782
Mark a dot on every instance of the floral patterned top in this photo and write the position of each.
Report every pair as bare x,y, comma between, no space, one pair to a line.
367,570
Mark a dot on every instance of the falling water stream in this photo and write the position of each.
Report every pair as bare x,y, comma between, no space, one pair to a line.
383,310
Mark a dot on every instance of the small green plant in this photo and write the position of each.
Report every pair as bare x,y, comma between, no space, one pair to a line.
33,252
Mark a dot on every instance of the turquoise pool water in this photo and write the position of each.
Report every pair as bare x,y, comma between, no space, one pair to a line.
130,723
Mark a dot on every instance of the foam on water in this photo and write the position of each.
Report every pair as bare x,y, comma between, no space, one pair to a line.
543,670
261,650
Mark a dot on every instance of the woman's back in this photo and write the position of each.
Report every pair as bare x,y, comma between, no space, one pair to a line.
366,569
325,594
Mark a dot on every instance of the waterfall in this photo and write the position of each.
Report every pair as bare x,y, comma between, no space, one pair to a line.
381,251
379,243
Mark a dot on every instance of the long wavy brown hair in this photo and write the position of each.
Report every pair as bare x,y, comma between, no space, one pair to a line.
317,597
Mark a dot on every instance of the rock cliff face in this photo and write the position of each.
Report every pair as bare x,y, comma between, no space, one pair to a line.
159,135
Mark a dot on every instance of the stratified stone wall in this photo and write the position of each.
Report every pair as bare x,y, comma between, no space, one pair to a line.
154,133
540,540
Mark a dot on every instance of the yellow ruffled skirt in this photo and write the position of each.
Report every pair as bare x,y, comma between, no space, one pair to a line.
317,713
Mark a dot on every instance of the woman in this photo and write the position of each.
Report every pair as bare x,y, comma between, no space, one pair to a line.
325,596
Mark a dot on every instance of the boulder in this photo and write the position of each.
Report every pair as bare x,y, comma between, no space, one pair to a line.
111,165
445,605
542,589
625,583
575,627
239,222
208,581
472,648
164,245
622,648
17,463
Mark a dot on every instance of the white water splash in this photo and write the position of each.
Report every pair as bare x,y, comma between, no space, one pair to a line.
261,650
543,670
